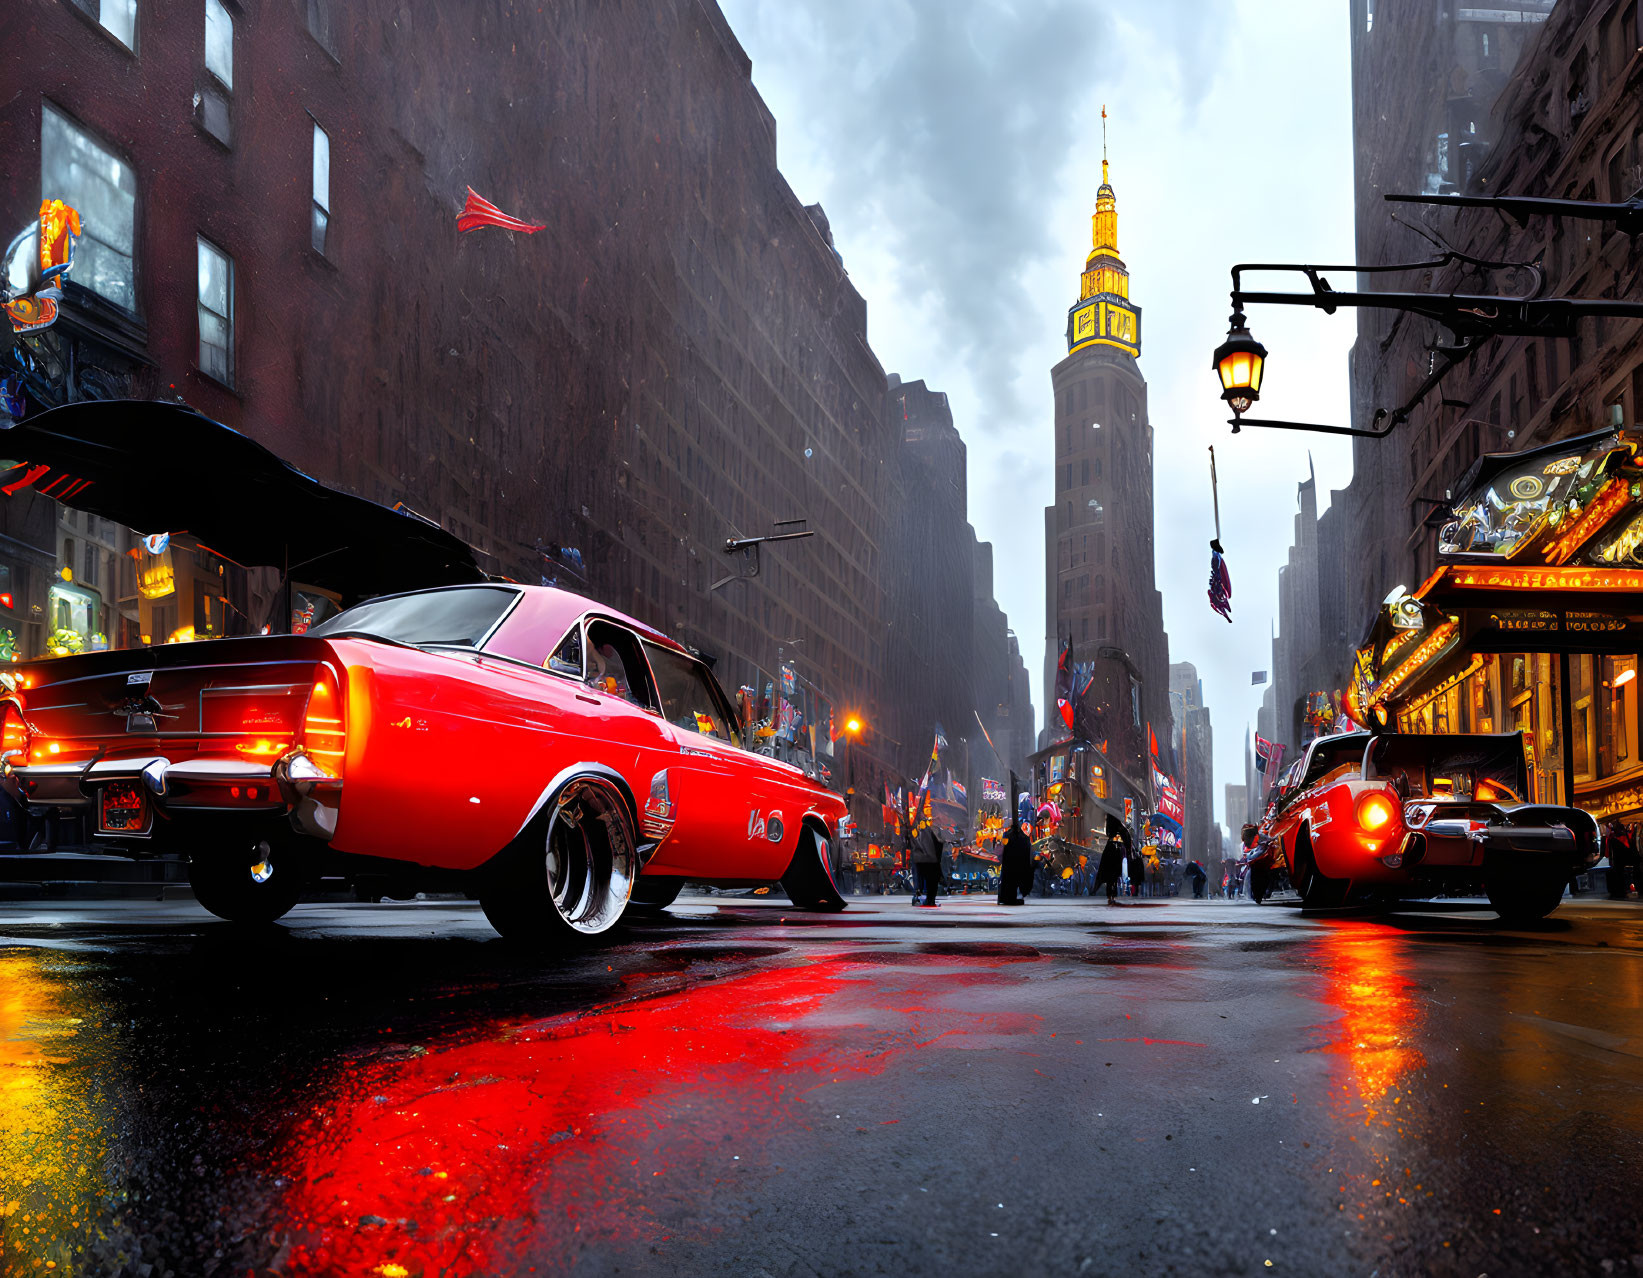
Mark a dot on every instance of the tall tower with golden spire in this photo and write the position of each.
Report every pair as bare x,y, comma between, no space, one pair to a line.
1103,313
1100,586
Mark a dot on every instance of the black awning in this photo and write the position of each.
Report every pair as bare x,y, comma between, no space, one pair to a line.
163,468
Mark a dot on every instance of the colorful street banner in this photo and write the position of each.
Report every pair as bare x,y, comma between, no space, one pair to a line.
1169,803
1268,755
993,791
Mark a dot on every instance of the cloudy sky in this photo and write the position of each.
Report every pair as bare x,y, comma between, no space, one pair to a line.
956,146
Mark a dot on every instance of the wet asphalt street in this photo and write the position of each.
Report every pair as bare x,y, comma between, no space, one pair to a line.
736,1088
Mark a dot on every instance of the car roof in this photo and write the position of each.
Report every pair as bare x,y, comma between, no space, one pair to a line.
552,602
549,608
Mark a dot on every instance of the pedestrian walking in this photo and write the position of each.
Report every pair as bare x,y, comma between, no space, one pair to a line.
1195,872
1622,849
1111,864
1137,868
926,864
1015,866
1259,875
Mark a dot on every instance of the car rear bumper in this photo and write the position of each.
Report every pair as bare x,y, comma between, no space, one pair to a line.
1451,851
291,786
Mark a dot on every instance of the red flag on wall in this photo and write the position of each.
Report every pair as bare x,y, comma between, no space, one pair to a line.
478,212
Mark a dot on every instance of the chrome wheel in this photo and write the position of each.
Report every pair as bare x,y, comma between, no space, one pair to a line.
589,860
570,880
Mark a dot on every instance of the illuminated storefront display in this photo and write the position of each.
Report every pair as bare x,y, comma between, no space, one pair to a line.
76,619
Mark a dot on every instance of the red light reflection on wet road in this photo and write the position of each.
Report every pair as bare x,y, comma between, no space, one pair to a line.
1364,971
466,1159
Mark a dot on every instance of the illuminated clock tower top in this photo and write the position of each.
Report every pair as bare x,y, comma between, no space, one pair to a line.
1103,314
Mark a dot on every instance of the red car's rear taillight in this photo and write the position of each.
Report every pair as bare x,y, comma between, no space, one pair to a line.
324,731
14,734
1376,811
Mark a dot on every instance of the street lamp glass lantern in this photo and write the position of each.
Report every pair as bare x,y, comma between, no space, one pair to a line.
1240,362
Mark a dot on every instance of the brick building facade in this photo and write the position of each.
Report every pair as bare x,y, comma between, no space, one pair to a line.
676,358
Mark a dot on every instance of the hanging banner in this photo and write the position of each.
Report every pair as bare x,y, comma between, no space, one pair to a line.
993,791
1220,583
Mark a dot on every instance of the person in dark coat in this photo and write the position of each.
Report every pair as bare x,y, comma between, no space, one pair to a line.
927,864
1618,841
1136,864
1111,865
1015,869
1195,872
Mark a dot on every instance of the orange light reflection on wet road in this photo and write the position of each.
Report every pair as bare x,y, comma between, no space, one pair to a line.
1363,967
52,1143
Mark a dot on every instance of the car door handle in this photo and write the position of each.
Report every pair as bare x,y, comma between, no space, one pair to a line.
592,701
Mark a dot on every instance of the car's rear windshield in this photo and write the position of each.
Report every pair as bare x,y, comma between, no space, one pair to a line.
1453,767
461,616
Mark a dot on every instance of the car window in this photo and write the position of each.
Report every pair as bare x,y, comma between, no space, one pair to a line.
1490,768
566,659
687,693
461,616
615,665
1334,759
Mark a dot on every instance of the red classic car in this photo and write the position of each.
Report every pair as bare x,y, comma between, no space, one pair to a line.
558,758
1365,816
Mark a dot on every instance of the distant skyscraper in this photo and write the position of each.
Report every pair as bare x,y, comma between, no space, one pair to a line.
1098,536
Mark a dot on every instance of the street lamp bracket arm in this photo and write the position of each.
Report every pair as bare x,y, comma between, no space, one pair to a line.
1627,215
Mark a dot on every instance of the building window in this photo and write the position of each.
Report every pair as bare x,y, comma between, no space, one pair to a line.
219,42
117,17
89,576
81,173
1086,470
212,99
322,189
216,310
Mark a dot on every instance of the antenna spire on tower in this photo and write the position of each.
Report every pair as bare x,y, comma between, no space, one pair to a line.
1103,142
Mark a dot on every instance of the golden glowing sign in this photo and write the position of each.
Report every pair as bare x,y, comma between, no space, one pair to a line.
1610,500
1459,677
1083,325
1513,578
1104,322
1433,645
156,578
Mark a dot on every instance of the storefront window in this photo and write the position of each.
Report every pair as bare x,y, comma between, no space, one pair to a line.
1580,683
1619,745
1481,699
76,618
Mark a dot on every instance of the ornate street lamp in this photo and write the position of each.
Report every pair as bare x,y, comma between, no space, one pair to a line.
1240,362
1471,319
